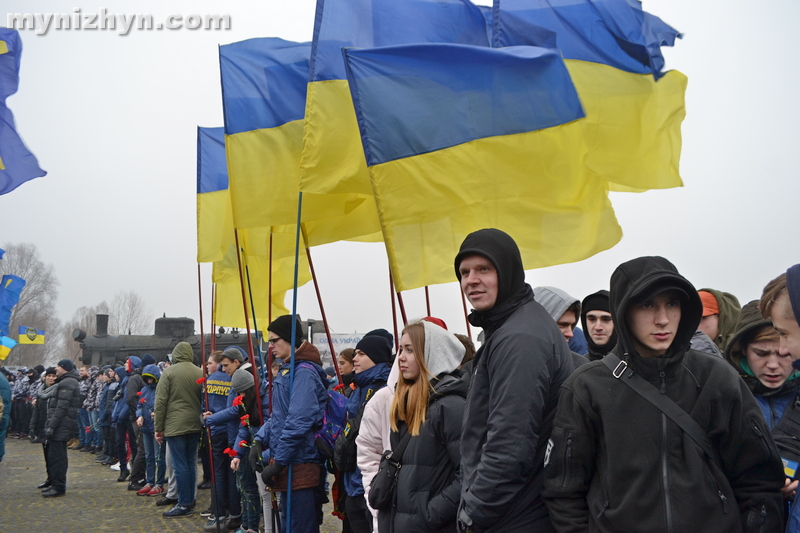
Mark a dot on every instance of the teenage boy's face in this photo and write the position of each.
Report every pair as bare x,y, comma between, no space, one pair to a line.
600,326
567,323
784,321
229,366
654,323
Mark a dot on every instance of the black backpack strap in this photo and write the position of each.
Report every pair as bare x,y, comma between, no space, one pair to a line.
397,453
621,371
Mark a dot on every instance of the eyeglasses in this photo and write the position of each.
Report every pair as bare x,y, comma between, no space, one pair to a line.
274,340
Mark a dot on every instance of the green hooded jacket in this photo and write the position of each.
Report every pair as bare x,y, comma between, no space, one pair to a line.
729,309
178,395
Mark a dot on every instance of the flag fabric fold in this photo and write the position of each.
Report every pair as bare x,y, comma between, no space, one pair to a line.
264,84
17,163
6,345
479,141
332,158
612,49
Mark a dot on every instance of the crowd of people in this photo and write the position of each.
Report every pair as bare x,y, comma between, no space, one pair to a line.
672,409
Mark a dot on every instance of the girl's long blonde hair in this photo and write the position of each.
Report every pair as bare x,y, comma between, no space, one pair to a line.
410,402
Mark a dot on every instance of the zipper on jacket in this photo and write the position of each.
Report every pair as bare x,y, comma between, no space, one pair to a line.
761,438
665,459
567,459
724,502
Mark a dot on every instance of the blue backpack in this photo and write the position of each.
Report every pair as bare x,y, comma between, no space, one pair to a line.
333,421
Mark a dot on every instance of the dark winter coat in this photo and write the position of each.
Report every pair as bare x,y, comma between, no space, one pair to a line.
135,384
512,398
39,414
120,411
62,408
429,482
619,464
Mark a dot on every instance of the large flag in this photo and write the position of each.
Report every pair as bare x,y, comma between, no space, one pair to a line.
264,83
28,335
613,52
10,289
6,344
17,163
458,138
333,159
216,243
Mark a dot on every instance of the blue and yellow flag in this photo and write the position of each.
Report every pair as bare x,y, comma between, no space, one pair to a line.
613,52
264,84
6,345
216,243
458,138
28,335
10,289
17,163
333,159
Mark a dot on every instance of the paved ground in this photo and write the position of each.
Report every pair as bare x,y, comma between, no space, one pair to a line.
94,502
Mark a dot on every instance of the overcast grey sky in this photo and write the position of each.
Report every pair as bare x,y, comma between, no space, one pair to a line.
112,119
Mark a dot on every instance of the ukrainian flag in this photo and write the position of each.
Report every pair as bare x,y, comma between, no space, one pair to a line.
613,52
6,345
216,243
30,335
458,138
17,163
264,83
333,159
10,290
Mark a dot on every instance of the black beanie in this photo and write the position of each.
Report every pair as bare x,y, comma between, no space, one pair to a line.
793,288
282,327
50,370
66,364
596,302
380,332
148,359
39,369
377,348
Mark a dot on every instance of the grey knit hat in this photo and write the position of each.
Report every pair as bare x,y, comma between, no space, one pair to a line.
242,380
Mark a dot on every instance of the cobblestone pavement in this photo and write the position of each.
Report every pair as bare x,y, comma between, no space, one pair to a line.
95,501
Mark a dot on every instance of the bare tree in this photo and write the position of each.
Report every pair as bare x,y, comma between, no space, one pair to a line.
129,315
36,307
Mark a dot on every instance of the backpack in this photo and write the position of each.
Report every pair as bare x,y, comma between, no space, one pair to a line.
333,421
345,451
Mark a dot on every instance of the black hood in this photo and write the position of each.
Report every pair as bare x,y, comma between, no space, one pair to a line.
641,278
594,302
499,248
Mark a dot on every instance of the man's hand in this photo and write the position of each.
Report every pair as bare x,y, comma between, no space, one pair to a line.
140,421
269,473
159,437
207,414
789,488
255,457
48,433
235,464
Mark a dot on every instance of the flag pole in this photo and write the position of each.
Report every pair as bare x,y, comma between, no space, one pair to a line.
402,308
428,301
466,314
213,316
321,308
205,397
247,324
394,312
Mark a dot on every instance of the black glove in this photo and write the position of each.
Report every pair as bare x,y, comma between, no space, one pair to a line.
269,473
255,457
48,433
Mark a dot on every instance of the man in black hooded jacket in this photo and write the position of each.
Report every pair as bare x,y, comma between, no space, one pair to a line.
618,463
598,325
512,399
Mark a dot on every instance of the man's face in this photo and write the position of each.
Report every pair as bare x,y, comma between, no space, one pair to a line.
49,379
60,371
710,326
600,326
211,366
479,281
280,348
654,323
567,323
784,321
229,366
84,372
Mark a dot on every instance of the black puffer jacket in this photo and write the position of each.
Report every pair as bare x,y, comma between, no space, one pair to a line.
618,464
62,408
512,399
429,483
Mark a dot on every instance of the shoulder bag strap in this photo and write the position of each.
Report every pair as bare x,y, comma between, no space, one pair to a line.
397,453
621,371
